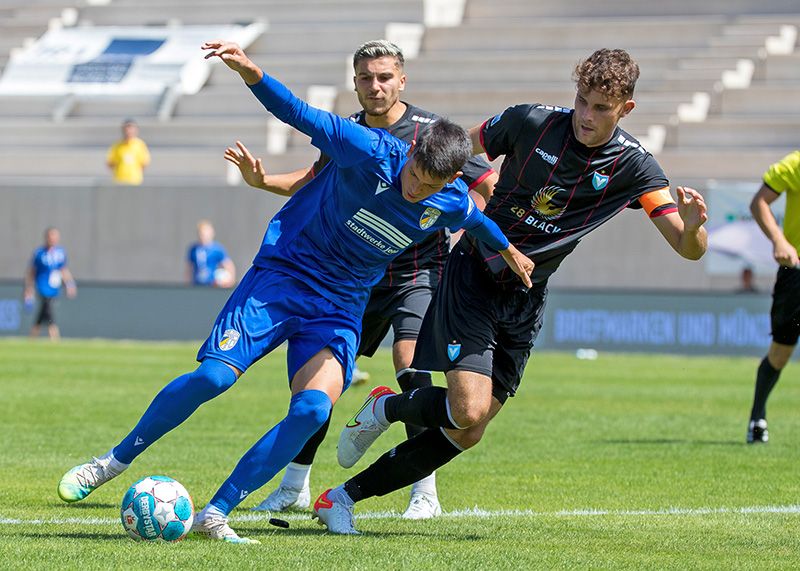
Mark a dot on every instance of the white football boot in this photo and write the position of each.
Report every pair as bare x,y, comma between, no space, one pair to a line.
361,430
83,479
422,506
335,512
215,526
285,498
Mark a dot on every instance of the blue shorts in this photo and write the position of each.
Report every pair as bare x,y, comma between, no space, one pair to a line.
268,308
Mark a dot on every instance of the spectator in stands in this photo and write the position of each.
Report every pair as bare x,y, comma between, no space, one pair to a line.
47,271
747,283
208,262
782,177
128,157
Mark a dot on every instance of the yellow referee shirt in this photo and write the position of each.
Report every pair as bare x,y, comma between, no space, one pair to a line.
784,177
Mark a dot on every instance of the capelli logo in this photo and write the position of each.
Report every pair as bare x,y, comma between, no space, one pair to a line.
552,159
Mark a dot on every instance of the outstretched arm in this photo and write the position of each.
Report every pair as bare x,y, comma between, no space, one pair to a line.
684,229
783,252
345,142
254,174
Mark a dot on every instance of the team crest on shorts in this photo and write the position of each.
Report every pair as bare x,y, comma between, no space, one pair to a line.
229,339
453,351
429,217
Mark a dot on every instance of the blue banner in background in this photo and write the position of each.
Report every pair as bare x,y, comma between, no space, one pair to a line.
618,321
113,64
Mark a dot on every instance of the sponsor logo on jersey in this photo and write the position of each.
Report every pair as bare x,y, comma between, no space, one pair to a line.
429,218
229,339
419,119
453,351
377,232
544,205
494,120
382,186
628,143
548,158
599,180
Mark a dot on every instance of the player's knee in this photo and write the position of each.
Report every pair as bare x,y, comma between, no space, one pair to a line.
213,378
469,412
309,409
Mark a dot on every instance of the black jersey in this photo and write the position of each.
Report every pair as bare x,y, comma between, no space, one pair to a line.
422,262
553,190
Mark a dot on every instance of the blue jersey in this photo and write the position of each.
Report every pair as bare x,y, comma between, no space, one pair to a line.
47,265
204,260
339,232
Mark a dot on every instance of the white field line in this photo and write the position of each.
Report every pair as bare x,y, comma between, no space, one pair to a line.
475,512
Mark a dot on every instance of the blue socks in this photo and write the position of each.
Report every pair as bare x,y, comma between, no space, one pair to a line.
308,411
175,403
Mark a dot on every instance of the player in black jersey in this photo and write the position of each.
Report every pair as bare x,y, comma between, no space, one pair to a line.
402,297
565,172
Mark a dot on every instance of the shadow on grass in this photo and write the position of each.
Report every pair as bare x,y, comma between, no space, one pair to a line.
82,506
672,441
263,534
75,535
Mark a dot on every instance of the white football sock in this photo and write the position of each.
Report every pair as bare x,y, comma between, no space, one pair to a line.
296,475
426,485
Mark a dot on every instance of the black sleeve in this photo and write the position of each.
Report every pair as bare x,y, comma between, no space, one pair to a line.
475,170
647,176
320,164
499,133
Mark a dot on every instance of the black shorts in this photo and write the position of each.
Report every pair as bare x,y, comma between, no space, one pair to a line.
785,314
401,307
475,324
46,314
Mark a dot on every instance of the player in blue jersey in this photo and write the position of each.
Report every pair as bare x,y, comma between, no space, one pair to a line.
46,273
402,296
309,283
208,264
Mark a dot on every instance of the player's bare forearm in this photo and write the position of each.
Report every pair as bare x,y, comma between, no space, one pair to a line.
234,57
693,243
763,215
288,183
684,230
475,137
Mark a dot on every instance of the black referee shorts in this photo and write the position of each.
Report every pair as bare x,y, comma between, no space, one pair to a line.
399,307
785,313
475,324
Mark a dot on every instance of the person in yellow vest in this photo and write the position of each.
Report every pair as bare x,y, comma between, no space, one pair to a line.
128,157
782,177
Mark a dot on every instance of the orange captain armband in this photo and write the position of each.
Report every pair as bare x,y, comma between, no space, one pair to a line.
658,202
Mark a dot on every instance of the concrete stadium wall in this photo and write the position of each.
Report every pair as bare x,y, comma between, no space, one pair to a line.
140,235
654,322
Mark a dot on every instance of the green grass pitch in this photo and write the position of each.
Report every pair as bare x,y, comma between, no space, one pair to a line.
626,462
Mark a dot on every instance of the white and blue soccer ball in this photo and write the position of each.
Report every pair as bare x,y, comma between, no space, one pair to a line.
157,508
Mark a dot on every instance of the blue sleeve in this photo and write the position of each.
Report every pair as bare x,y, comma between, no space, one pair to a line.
344,141
484,229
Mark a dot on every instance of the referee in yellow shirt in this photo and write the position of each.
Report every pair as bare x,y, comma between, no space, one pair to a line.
782,177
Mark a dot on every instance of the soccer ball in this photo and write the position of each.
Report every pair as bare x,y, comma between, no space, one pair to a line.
157,508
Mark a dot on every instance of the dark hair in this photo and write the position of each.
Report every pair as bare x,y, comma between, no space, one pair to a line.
375,49
611,72
443,148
